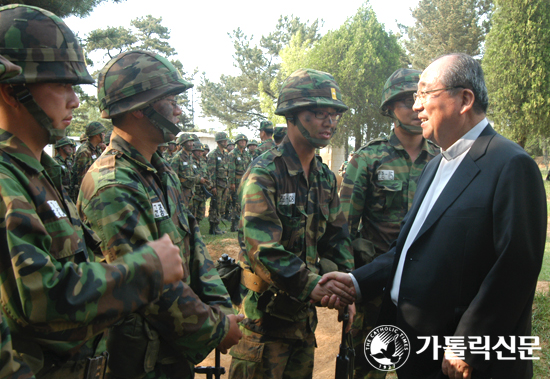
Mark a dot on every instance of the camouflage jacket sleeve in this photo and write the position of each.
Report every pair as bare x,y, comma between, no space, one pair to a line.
354,190
232,166
51,295
182,318
82,163
211,166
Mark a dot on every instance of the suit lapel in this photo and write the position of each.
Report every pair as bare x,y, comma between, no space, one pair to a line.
464,174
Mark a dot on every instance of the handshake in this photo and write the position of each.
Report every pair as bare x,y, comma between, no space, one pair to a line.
335,290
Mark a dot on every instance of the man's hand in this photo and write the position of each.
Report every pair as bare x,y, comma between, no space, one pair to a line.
454,367
234,334
170,259
202,181
351,313
232,187
214,191
344,292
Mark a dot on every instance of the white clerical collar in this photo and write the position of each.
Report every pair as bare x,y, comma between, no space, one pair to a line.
465,142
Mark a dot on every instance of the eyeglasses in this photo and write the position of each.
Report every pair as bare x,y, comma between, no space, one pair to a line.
421,95
322,115
408,102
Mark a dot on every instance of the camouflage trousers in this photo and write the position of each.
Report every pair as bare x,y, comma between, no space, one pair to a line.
257,357
179,370
199,208
365,319
217,204
230,203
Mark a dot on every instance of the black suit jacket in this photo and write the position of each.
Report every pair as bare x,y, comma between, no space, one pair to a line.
473,267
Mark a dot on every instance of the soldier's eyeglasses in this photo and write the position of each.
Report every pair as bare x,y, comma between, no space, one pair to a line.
421,95
408,102
322,115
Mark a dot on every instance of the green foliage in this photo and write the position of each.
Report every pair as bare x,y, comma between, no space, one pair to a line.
446,26
517,69
146,33
244,100
62,8
541,328
360,55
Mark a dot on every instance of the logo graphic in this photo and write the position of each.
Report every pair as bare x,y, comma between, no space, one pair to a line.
387,348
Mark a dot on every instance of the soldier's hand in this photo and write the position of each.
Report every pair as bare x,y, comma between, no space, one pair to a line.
232,187
203,180
337,285
351,313
170,259
214,191
234,334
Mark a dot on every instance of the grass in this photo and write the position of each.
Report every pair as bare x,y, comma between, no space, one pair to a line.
541,328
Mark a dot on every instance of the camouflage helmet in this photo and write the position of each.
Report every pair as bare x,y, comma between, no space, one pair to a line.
135,80
171,142
195,137
230,142
183,138
221,136
309,88
94,128
241,137
266,126
206,147
252,142
164,144
83,138
279,132
64,142
44,47
402,81
47,52
8,69
198,146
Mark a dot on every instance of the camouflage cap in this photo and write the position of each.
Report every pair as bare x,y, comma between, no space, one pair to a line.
309,88
44,47
136,79
252,142
221,136
198,146
64,142
402,81
8,69
241,137
94,128
267,126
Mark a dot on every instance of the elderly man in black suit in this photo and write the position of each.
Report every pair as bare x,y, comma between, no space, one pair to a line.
470,249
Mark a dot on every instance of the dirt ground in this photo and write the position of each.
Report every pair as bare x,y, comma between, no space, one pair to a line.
328,331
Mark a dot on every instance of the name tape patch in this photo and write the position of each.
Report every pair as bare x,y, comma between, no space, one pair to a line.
386,175
288,199
158,210
56,209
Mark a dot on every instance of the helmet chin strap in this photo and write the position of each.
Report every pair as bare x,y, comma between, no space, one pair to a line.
167,127
24,96
315,142
409,128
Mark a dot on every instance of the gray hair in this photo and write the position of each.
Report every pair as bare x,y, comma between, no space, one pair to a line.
465,71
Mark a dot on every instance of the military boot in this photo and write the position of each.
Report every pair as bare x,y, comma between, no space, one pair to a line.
214,230
218,230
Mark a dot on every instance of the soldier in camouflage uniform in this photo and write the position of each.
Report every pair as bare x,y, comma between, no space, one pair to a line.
170,152
218,169
86,155
230,146
266,136
252,146
130,196
239,159
10,366
65,149
199,200
182,164
56,300
161,148
378,188
344,165
82,140
291,218
278,134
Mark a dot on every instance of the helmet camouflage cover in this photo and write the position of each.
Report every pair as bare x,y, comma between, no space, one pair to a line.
64,142
184,138
252,142
135,79
94,128
41,43
309,88
402,81
198,146
241,137
221,136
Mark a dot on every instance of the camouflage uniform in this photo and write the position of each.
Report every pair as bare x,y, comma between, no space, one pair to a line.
199,200
377,191
268,143
238,163
169,155
55,299
66,164
84,158
253,154
189,329
182,164
130,201
10,366
218,168
288,223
